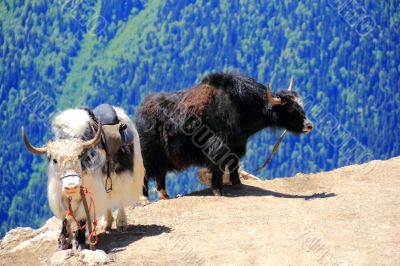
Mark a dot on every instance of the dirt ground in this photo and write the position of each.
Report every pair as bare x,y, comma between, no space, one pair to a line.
349,216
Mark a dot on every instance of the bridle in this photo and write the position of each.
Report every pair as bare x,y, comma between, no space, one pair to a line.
64,176
83,191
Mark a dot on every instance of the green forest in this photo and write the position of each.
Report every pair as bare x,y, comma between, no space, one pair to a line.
344,56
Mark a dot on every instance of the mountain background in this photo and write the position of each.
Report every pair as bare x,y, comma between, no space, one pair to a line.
57,54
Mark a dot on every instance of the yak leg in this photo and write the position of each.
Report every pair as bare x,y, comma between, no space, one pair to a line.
122,221
162,192
65,238
144,199
216,181
107,221
234,173
80,237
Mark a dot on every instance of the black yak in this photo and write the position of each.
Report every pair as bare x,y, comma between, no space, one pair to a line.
209,125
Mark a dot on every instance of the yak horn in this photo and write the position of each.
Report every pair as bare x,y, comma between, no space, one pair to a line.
273,101
291,84
30,147
90,143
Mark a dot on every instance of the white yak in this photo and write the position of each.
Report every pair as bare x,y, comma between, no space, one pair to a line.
76,160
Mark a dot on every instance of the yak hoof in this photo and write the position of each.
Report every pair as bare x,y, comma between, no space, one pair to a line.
217,192
80,246
122,220
236,182
105,227
63,243
163,195
122,228
65,246
122,223
144,201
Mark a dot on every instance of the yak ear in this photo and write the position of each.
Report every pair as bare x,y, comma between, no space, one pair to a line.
272,100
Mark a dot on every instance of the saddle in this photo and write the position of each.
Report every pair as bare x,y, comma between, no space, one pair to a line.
116,133
117,139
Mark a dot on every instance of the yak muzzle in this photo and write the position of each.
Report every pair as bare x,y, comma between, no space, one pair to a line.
71,183
308,126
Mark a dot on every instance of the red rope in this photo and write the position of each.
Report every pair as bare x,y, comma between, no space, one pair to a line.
93,237
70,213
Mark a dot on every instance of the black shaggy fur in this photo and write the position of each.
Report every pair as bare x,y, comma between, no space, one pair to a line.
209,125
80,236
64,241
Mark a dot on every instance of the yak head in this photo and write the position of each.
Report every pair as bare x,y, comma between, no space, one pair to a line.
288,110
65,160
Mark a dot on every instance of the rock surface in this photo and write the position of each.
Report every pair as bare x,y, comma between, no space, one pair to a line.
349,216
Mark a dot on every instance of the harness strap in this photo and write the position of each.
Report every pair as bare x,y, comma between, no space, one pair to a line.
108,184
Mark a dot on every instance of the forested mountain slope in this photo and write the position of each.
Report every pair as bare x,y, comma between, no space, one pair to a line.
58,54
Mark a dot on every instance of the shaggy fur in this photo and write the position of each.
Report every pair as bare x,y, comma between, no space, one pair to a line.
209,125
66,154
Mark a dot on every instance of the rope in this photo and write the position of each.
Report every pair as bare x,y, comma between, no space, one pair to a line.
276,146
93,237
70,213
268,160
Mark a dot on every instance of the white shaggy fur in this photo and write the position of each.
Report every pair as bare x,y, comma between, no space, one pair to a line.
71,123
126,186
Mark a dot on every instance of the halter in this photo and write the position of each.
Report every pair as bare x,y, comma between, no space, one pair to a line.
93,238
64,176
278,142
